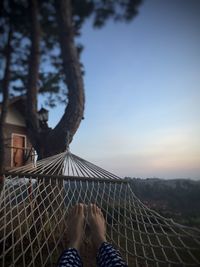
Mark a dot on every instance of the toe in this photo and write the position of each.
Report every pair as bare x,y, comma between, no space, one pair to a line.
80,208
94,208
98,210
90,209
102,214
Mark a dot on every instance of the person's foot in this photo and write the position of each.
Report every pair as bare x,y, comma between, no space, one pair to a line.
97,225
75,225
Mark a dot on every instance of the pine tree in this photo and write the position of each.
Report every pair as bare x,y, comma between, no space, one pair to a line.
45,31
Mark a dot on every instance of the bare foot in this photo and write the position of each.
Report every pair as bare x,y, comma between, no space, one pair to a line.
97,225
75,226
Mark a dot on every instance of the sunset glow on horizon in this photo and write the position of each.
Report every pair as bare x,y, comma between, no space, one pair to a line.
142,88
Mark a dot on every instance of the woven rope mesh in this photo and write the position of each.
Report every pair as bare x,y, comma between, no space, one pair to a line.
34,207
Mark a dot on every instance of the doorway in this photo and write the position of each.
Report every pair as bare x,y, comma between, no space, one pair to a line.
18,150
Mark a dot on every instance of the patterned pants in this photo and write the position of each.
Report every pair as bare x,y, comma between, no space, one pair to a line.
106,257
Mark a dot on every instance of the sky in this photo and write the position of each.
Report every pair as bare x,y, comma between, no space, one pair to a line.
142,87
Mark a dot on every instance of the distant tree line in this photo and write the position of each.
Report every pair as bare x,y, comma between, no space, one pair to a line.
181,197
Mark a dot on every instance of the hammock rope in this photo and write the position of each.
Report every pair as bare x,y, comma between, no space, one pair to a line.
34,207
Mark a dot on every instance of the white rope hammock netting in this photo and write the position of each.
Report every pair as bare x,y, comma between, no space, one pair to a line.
34,205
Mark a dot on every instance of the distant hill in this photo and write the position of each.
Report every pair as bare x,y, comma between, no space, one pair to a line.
178,198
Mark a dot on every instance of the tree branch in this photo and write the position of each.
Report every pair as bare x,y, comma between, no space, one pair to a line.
73,115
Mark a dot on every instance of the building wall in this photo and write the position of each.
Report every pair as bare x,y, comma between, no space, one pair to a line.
11,129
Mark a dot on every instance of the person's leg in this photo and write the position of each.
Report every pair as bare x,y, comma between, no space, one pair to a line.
70,257
107,255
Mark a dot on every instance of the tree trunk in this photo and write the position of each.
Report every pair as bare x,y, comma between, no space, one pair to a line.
70,121
48,142
32,90
4,107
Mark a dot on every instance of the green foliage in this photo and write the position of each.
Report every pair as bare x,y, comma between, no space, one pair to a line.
179,198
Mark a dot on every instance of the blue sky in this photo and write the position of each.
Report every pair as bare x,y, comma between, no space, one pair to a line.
142,88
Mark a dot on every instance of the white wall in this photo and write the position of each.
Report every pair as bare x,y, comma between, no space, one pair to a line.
14,117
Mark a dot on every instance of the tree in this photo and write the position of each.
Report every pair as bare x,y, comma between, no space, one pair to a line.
67,18
32,90
6,47
5,84
10,28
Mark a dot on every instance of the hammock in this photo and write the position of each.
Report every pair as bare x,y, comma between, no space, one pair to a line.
34,206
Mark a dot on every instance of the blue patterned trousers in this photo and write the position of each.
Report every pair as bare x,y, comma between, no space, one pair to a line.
107,257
